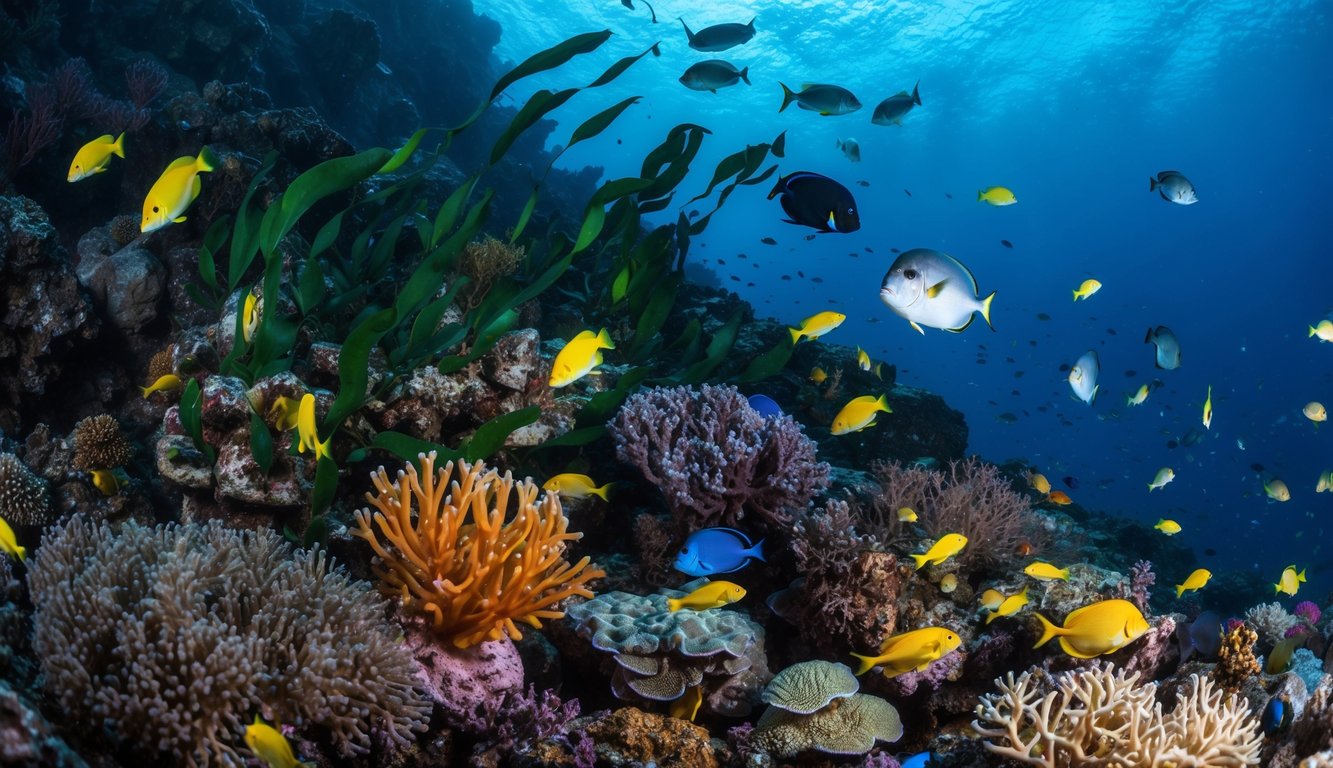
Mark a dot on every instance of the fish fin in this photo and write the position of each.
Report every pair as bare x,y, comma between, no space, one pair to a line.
962,327
673,604
757,551
825,114
1072,651
916,93
985,309
795,335
603,492
118,146
981,195
787,98
918,328
207,160
745,75
867,664
921,561
884,403
897,121
180,162
1048,630
1301,576
1152,184
751,23
1092,400
935,289
779,188
1180,590
1075,295
1312,330
992,616
21,552
832,224
604,339
178,219
196,187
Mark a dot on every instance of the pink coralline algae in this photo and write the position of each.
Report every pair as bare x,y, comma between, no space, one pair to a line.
947,667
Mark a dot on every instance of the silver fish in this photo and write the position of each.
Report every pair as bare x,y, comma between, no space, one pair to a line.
713,74
822,98
719,37
851,149
928,287
1173,187
892,110
1083,377
1168,347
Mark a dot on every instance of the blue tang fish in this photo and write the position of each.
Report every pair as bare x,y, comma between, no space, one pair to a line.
716,550
767,406
1277,715
919,760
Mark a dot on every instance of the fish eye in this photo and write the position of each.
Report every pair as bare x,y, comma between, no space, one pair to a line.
910,274
684,550
155,209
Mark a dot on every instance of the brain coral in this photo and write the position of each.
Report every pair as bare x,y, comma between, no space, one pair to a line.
814,706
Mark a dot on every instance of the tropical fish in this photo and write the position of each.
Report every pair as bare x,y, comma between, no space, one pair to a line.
1290,581
1315,412
714,594
1277,490
997,196
822,98
892,110
992,599
851,149
306,429
175,189
914,650
1279,659
949,583
1277,715
9,543
250,317
1083,376
1086,289
1059,498
948,545
1208,409
1196,580
859,413
765,405
1324,330
574,486
1138,397
687,706
1169,527
1203,635
1038,482
711,551
1046,572
95,157
271,746
906,515
932,288
879,370
1168,347
919,760
713,74
817,375
719,37
1095,629
1325,482
579,357
1173,187
167,382
287,411
1011,605
105,480
816,325
812,200
862,359
1163,476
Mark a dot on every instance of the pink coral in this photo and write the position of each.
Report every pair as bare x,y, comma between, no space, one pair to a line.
947,667
1307,611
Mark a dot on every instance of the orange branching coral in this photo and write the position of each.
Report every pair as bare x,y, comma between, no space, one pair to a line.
455,558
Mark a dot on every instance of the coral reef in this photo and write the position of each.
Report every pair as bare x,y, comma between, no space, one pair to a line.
847,722
1236,661
1271,621
24,497
99,444
632,737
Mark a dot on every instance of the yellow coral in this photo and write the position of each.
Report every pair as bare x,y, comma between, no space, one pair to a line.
458,561
1236,662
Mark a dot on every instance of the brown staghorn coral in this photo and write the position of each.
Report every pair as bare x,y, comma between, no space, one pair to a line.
457,561
24,498
99,444
1102,717
176,636
1236,662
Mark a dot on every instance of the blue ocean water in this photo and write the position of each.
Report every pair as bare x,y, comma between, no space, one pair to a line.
1072,105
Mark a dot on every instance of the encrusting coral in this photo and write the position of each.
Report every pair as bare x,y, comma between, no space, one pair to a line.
1102,717
175,637
99,444
24,498
448,552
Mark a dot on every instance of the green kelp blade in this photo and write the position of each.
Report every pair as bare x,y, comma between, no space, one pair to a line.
618,69
353,367
327,178
537,106
599,122
261,443
575,437
213,240
654,315
311,288
620,285
407,447
718,349
404,152
191,418
593,219
523,217
551,58
326,485
676,165
768,363
491,436
449,210
249,219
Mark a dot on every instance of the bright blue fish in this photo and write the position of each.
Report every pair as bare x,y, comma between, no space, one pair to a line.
717,550
918,760
767,406
1277,715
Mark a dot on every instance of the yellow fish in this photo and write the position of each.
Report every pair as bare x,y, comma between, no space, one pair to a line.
817,375
579,357
714,594
1138,397
949,583
1011,605
1169,527
1315,412
175,189
991,599
949,545
879,370
1039,483
859,413
1046,572
1164,476
250,317
906,515
287,410
573,486
1208,409
997,196
1086,289
271,746
687,706
1095,629
306,429
1290,581
105,480
816,325
1195,580
1279,660
95,157
1324,330
862,359
9,543
1277,490
914,650
1325,481
169,382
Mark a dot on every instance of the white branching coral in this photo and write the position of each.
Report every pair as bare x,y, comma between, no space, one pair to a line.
1271,620
1101,717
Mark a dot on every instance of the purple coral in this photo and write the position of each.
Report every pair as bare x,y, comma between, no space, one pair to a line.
1141,577
1308,611
525,719
945,668
716,459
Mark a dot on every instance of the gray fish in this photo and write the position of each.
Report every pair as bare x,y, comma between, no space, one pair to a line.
851,149
1083,377
1168,347
892,110
1173,187
822,98
719,37
713,74
928,287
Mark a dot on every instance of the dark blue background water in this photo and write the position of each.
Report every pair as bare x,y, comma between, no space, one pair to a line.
1073,106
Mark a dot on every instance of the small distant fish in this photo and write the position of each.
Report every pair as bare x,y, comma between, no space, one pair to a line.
827,100
575,486
1083,377
892,110
1277,715
862,359
768,241
1163,476
270,746
1095,629
714,594
946,194
1195,581
1315,411
1168,527
579,357
949,583
713,74
851,149
816,325
95,157
1043,316
1168,347
1046,572
906,515
711,551
817,375
1011,605
1070,482
765,405
1038,482
1325,482
813,200
991,599
106,481
907,192
1324,330
1006,244
719,37
1086,289
1059,498
946,547
1277,490
859,413
1173,187
9,543
997,196
863,182
1289,582
932,288
1138,397
167,382
1208,409
915,650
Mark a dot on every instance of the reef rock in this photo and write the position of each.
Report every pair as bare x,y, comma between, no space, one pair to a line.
466,684
127,282
632,737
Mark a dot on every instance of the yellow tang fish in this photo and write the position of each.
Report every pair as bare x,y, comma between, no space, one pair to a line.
271,746
1196,580
250,317
287,410
579,357
1315,411
907,515
1277,490
1138,397
1279,660
95,157
168,382
949,545
862,359
175,189
573,486
914,650
1169,527
1290,581
949,583
306,430
9,542
859,413
1086,289
1208,409
1038,482
991,599
687,706
714,594
1324,330
997,196
1046,572
816,325
1011,605
817,375
1095,629
879,370
105,480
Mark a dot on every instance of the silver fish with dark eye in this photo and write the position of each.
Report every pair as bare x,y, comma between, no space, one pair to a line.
1173,187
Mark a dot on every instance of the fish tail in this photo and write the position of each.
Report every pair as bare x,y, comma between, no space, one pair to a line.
1277,588
118,146
673,604
981,195
688,33
208,159
1152,184
1048,630
985,309
883,403
1312,330
991,617
1301,576
604,339
757,552
921,561
916,93
795,335
1180,590
787,98
867,663
603,492
146,392
751,24
22,552
745,75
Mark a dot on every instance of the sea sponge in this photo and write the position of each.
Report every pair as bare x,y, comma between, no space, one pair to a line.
1236,661
24,497
99,444
847,723
124,229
